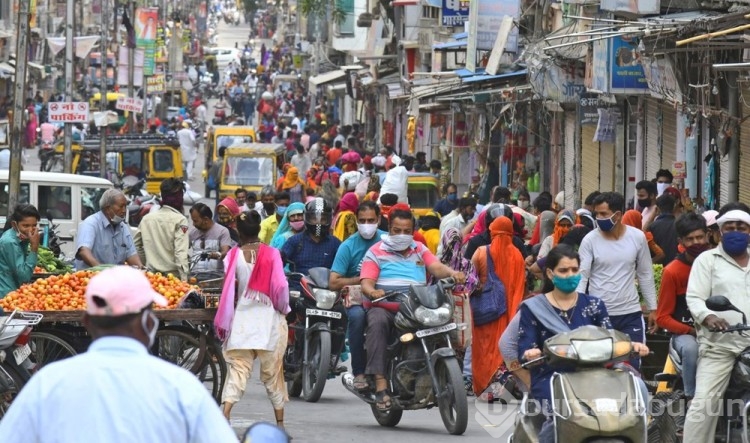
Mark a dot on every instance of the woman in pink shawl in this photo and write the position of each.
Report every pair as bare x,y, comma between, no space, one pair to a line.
479,227
31,124
256,328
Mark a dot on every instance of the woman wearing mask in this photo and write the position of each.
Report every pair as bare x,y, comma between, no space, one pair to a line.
575,309
635,219
565,220
226,213
18,248
506,261
256,327
523,200
294,185
292,223
345,222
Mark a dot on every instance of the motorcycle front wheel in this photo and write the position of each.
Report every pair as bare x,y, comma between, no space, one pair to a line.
451,396
316,366
388,418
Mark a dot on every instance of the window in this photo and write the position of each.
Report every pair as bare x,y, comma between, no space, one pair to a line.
23,198
90,201
55,201
163,160
346,27
430,12
242,171
225,141
132,163
422,196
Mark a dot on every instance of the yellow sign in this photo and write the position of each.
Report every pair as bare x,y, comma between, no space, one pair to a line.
155,84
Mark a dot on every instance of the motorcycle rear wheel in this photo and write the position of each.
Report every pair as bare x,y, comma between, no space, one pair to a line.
451,397
389,418
315,370
7,399
667,414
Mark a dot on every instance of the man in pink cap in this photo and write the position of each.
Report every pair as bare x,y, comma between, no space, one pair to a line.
116,391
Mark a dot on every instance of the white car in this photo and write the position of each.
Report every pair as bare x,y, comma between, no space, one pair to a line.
224,55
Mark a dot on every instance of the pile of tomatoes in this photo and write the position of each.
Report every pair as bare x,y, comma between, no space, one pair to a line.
65,292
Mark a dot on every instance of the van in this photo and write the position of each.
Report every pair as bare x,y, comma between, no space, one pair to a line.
67,198
225,136
250,166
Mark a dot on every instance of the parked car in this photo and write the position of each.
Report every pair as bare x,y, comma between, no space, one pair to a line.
224,55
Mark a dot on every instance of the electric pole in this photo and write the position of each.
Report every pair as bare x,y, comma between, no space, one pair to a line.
131,67
19,98
69,82
103,93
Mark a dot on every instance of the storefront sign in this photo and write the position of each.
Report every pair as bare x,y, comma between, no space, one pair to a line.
455,12
637,7
130,104
588,106
485,18
661,79
679,170
68,112
616,67
560,84
155,84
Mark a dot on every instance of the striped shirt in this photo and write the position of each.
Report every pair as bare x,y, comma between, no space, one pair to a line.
394,271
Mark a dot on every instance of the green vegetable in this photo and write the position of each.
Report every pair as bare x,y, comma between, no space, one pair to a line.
48,261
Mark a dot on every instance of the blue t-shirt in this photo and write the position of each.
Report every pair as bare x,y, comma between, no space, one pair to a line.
302,253
348,261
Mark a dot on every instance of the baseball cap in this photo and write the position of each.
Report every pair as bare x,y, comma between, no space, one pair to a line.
120,290
710,217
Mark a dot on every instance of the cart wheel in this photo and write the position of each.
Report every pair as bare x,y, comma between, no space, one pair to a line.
47,347
184,350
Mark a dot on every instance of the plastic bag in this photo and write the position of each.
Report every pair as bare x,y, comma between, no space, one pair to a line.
396,183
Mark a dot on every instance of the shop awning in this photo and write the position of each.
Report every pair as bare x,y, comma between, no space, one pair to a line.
395,3
39,69
450,45
327,77
395,90
486,77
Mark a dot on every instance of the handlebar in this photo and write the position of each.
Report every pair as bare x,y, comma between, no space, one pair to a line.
387,295
739,327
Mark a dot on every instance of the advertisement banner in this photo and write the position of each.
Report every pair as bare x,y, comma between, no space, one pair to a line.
455,12
155,84
626,70
145,36
661,79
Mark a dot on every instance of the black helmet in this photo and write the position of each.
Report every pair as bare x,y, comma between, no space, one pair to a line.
498,210
318,215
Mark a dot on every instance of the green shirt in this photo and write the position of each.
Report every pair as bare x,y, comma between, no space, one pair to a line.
16,263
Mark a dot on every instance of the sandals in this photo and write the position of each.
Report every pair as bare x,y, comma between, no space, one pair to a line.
383,401
360,383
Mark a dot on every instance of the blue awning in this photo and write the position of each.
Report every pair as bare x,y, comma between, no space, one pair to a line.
482,76
434,3
461,36
450,45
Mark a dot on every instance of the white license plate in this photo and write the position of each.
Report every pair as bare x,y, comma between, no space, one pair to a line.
606,405
438,330
323,313
21,354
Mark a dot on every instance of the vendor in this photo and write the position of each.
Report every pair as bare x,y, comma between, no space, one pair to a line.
18,249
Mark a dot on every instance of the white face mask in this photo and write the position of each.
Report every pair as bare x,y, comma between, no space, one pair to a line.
398,243
661,187
116,219
523,204
367,231
151,333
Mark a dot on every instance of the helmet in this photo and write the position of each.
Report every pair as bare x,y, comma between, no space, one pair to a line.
498,210
318,215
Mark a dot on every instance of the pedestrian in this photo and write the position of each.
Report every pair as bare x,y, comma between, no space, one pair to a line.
256,327
345,220
129,395
188,149
226,214
635,219
447,204
663,227
291,223
104,238
293,184
208,240
162,239
19,246
646,196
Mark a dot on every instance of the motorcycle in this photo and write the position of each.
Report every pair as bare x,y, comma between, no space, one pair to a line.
52,238
220,115
16,364
317,327
592,403
733,422
140,202
422,367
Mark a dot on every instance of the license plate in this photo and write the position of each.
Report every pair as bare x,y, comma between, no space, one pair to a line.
21,354
438,330
606,405
323,313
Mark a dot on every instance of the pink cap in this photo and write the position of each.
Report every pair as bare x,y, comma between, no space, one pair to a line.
710,217
120,290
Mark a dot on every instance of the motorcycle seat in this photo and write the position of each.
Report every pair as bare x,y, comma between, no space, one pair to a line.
673,354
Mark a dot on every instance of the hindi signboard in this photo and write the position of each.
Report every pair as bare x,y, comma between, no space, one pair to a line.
68,112
130,104
155,84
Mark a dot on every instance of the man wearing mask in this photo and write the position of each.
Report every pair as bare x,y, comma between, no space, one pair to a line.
162,240
664,180
209,238
267,204
188,148
103,238
459,218
720,271
345,272
270,224
663,227
672,311
608,256
393,264
116,373
449,203
646,195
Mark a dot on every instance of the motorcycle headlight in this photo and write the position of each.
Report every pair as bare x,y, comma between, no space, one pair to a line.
324,299
433,317
593,350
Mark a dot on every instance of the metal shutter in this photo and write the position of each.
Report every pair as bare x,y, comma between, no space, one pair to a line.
722,180
570,167
653,139
607,167
589,161
669,137
744,177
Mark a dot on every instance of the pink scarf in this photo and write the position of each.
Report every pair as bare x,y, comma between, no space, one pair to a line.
267,278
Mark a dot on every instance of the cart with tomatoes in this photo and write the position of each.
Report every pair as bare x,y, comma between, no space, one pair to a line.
185,336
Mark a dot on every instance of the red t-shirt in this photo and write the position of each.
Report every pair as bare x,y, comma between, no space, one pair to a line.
672,312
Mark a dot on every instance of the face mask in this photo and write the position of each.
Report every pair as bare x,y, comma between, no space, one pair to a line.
606,224
151,333
566,284
523,204
735,242
269,208
696,249
661,187
281,210
645,203
298,225
398,243
452,197
116,219
367,231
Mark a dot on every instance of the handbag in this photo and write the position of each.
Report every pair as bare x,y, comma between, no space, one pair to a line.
491,303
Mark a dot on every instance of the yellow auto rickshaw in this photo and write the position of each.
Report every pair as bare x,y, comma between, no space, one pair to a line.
422,191
250,166
225,136
95,103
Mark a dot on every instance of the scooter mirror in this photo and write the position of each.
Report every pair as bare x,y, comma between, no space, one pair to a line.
720,303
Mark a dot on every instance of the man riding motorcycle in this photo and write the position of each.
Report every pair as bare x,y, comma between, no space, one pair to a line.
393,265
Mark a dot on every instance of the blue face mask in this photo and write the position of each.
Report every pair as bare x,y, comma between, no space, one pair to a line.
606,224
281,210
735,242
452,197
566,284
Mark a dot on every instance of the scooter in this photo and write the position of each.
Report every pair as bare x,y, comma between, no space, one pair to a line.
592,403
16,362
317,328
422,367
